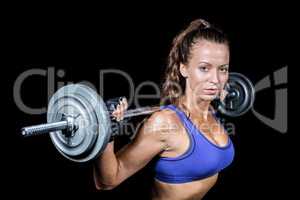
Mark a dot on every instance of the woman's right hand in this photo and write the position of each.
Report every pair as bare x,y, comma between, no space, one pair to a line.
118,113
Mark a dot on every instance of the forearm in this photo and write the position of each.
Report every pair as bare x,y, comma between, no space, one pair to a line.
106,168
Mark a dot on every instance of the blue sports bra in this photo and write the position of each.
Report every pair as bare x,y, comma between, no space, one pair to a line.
202,159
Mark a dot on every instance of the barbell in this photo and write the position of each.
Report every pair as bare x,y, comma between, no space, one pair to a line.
79,122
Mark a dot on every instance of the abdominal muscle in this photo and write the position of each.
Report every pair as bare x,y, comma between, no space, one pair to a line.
184,191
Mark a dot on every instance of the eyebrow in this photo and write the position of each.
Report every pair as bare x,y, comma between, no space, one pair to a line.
223,65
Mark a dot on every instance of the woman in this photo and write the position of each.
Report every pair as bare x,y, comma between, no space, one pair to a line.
191,144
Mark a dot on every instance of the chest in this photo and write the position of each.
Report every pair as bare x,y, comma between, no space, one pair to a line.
179,141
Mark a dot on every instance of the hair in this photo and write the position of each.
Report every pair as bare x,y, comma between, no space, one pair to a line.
173,84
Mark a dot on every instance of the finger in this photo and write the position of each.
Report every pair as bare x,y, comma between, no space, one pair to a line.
119,107
125,103
122,110
123,106
116,112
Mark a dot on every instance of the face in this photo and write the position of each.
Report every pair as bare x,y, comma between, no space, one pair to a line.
206,72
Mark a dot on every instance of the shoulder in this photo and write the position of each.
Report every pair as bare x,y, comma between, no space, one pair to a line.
159,128
162,118
162,123
154,129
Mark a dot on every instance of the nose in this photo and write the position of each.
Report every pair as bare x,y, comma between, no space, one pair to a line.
214,78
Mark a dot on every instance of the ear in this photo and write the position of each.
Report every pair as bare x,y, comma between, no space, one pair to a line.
183,70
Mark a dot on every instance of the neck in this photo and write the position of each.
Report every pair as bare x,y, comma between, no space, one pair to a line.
198,108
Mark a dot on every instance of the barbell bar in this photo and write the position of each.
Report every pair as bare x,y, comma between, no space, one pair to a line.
79,122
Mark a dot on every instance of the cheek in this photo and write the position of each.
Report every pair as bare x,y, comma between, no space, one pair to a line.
223,79
197,80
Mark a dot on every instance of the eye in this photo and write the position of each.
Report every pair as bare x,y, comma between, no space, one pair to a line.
203,68
224,69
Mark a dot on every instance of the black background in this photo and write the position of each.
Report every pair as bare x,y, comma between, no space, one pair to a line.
137,40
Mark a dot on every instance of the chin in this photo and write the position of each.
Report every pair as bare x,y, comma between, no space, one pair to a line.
207,97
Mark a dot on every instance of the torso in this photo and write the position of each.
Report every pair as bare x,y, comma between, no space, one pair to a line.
178,143
185,191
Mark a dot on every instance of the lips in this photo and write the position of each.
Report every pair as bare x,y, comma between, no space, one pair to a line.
211,90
